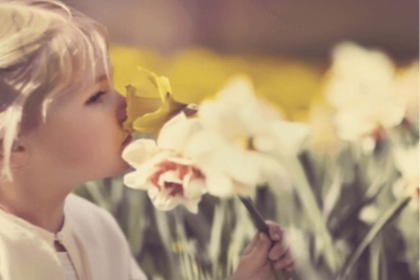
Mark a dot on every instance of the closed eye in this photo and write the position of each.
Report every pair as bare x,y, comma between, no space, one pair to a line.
95,98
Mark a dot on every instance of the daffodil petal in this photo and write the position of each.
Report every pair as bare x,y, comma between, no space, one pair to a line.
139,151
153,122
192,206
219,184
175,133
169,176
138,106
194,189
238,164
290,136
180,161
161,83
163,201
203,142
136,181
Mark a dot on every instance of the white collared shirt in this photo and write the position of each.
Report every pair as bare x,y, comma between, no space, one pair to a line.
96,247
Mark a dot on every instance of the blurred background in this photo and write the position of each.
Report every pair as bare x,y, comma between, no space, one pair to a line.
269,27
348,69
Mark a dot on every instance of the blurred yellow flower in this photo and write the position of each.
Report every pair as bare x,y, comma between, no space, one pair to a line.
291,88
197,75
128,62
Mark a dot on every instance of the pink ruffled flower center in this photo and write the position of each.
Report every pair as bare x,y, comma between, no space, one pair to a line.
181,171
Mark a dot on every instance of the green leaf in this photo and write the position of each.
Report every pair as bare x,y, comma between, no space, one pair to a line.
375,250
385,218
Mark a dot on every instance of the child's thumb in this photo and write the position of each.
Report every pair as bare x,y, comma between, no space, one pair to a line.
261,249
252,245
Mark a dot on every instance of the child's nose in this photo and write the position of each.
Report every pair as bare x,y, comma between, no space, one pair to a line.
121,109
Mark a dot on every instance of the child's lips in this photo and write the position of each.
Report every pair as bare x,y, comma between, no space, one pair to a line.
127,140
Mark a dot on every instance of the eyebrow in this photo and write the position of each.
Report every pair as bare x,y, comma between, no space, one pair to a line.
104,76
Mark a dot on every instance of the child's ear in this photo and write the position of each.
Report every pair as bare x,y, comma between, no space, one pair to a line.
19,155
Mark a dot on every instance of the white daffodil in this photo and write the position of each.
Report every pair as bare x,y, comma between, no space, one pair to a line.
407,89
361,86
240,136
407,162
161,169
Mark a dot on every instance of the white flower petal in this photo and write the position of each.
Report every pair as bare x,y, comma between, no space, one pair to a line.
203,143
194,189
218,184
280,180
192,206
414,204
169,176
176,132
269,168
290,136
407,161
243,189
264,143
136,180
139,151
369,214
361,87
351,126
239,165
161,200
171,202
225,114
153,192
180,160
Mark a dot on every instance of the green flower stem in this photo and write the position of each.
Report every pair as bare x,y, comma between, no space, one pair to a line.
383,220
305,193
262,226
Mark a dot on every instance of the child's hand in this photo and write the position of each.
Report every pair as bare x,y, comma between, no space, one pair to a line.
264,254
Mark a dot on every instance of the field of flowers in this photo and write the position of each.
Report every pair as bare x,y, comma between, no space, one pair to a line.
349,198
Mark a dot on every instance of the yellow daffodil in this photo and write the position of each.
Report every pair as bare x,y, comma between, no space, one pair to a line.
147,113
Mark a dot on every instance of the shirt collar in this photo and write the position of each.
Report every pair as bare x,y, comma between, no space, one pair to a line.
63,235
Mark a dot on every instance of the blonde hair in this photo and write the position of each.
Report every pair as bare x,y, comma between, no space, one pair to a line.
46,50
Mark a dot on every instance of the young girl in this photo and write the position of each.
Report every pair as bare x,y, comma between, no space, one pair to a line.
61,126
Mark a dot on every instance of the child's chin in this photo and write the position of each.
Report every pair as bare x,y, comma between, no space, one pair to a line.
123,169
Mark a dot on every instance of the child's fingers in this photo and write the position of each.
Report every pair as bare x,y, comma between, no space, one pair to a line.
251,245
276,233
260,252
291,267
284,262
278,250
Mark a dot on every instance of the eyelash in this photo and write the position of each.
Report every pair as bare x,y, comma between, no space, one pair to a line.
95,98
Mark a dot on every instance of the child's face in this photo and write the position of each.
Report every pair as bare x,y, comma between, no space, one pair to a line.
83,136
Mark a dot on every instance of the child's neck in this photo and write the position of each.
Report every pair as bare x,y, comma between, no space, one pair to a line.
44,213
